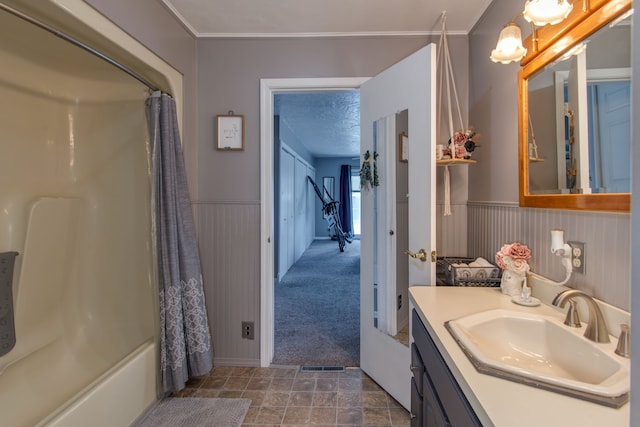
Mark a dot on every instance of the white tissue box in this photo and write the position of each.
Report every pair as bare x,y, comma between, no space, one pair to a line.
457,271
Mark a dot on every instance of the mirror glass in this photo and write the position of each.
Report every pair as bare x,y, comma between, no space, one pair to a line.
391,236
579,117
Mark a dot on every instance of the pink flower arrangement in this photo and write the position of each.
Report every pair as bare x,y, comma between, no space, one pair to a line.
514,257
463,143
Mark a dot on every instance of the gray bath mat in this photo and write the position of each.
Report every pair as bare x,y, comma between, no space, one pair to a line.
196,412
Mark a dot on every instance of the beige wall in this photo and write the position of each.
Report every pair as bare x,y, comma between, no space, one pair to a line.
155,27
229,73
222,75
493,182
493,108
493,101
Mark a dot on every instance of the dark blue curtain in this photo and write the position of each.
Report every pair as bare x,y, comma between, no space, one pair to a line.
345,199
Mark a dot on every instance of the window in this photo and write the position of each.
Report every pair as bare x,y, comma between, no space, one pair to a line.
355,203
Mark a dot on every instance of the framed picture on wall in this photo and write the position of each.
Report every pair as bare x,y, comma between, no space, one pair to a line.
403,147
230,132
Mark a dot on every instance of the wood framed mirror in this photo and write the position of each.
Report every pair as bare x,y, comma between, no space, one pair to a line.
574,147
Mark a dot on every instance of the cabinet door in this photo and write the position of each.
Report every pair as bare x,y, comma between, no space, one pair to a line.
447,396
417,418
432,410
417,367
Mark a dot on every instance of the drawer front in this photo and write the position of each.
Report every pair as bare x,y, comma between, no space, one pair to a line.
454,403
432,410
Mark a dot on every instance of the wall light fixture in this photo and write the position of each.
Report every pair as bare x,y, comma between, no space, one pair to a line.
509,47
543,12
539,13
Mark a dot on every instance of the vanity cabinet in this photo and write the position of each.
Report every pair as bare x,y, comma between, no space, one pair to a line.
436,397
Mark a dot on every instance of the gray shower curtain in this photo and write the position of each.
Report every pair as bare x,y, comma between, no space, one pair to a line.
185,341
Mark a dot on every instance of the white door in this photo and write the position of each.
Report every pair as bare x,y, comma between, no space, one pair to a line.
613,131
300,205
408,85
579,121
311,207
286,252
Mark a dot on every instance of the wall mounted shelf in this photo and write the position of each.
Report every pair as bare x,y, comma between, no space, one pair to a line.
446,162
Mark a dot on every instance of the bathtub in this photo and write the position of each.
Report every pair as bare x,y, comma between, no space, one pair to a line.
75,204
117,398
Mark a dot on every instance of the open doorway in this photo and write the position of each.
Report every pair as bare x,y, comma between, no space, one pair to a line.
316,150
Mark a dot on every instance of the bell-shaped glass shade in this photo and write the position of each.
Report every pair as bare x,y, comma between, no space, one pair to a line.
509,47
543,12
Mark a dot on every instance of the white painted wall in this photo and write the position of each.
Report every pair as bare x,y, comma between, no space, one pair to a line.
296,214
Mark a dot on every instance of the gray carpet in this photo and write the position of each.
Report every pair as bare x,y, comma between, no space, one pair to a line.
196,412
317,308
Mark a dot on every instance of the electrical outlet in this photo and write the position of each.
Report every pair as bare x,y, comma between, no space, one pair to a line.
577,257
399,301
248,330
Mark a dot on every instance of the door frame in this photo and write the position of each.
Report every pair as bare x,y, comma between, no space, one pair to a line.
268,87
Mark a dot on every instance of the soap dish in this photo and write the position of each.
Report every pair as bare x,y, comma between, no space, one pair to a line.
533,302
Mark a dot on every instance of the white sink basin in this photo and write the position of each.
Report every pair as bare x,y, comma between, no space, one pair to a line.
541,351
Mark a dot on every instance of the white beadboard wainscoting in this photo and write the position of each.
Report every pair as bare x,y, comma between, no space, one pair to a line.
451,230
606,236
229,241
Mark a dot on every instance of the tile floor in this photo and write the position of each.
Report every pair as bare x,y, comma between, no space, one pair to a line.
285,396
403,335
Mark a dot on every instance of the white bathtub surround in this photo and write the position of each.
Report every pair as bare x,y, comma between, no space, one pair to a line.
75,192
185,341
115,398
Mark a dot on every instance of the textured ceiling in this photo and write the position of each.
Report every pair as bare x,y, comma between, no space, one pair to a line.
326,123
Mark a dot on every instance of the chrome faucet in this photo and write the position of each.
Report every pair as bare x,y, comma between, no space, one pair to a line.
596,328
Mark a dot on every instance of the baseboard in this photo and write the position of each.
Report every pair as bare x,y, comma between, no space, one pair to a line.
224,361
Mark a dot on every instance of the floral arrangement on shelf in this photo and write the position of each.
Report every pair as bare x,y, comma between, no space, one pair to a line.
514,257
464,143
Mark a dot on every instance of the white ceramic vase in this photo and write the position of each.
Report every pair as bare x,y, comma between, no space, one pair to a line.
511,283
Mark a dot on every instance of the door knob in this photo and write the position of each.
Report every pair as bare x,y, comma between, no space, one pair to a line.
421,255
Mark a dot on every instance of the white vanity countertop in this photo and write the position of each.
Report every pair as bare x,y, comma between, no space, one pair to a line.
498,402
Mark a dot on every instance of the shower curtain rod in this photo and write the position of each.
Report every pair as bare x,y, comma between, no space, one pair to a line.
78,43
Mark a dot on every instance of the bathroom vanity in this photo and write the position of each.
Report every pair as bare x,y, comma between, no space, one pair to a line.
447,390
436,397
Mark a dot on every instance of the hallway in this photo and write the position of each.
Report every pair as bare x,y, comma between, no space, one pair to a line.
317,308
